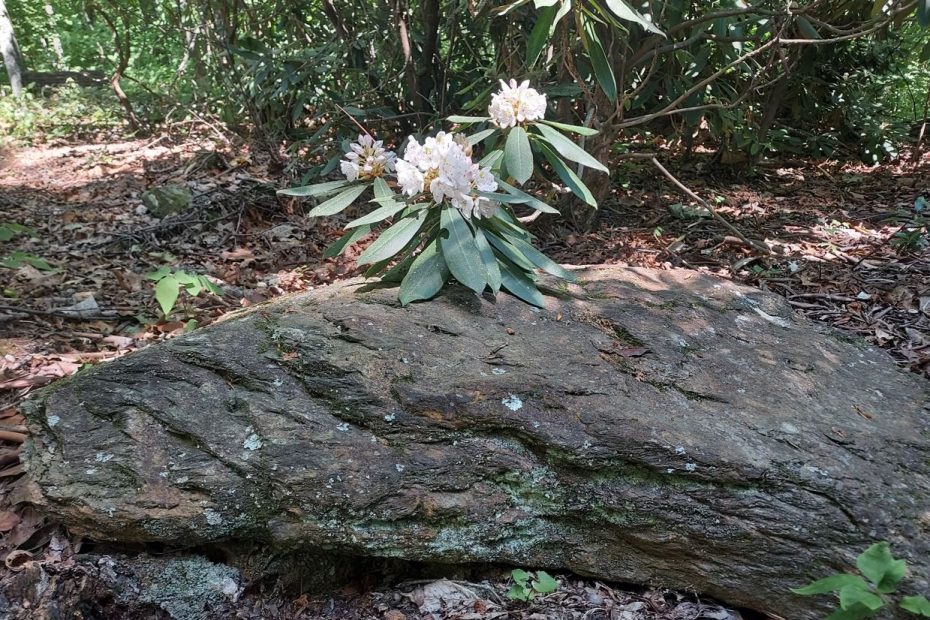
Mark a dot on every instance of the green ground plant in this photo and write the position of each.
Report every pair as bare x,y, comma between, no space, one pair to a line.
865,594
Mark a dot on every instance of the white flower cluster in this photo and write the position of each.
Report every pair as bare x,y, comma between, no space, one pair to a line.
516,104
443,166
367,159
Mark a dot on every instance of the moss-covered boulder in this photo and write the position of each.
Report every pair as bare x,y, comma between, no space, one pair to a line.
659,427
166,200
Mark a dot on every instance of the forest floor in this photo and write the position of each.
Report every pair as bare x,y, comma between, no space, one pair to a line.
846,251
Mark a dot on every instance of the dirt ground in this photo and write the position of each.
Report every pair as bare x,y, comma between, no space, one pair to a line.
844,252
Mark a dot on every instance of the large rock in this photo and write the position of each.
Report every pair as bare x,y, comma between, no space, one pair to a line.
659,427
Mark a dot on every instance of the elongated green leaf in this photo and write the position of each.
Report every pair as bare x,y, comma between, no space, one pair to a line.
383,192
461,251
320,189
426,276
520,285
599,62
392,240
568,149
568,176
378,214
339,202
584,131
489,260
399,270
833,583
916,605
518,156
542,31
624,11
481,135
468,120
539,259
492,159
166,293
346,241
528,200
851,596
506,248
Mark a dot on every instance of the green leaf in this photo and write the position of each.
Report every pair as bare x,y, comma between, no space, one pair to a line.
892,578
481,135
513,254
166,293
544,583
520,576
383,192
853,595
542,31
345,241
833,583
338,202
568,176
518,156
856,612
392,240
584,131
539,259
916,605
378,215
876,562
527,199
624,11
568,149
517,283
426,276
489,260
599,61
461,251
467,120
320,189
491,159
519,593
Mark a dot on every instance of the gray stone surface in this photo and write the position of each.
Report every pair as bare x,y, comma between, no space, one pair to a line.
658,427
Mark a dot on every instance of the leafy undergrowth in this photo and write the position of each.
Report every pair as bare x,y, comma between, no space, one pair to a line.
79,243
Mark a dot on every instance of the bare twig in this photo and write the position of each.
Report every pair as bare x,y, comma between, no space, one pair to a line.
710,209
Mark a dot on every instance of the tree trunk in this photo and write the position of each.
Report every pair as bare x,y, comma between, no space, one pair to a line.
123,45
649,426
12,57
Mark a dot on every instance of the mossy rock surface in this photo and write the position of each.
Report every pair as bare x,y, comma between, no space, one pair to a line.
166,200
659,427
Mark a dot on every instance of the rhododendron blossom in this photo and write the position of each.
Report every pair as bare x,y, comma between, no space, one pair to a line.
514,104
443,166
367,159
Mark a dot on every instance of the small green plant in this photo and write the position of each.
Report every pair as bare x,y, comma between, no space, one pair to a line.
863,598
18,259
168,285
915,234
8,230
528,585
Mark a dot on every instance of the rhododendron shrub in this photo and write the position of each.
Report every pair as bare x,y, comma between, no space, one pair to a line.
451,214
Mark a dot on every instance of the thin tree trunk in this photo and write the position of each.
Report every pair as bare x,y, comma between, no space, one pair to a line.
54,37
123,50
12,57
